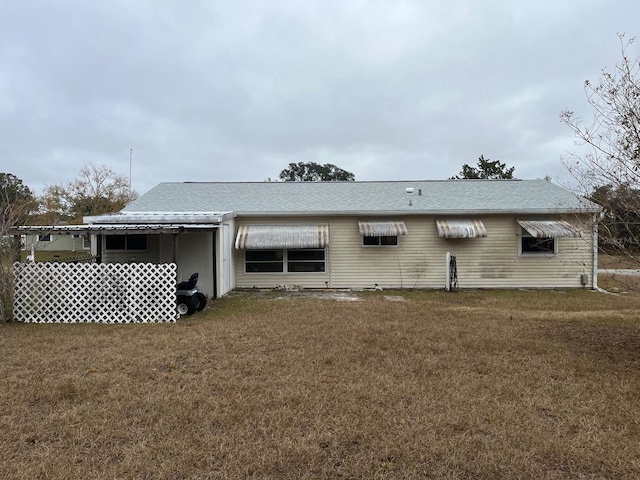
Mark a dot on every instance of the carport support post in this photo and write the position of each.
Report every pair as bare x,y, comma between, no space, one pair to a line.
98,248
174,254
17,256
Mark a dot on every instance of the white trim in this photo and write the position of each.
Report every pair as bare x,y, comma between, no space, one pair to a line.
380,245
540,254
285,262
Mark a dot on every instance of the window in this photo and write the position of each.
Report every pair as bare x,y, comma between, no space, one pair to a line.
285,261
299,261
530,245
379,241
44,238
126,242
264,261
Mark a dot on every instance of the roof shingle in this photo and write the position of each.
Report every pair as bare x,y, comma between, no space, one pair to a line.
428,197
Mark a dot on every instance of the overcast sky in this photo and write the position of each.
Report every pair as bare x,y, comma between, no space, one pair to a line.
236,90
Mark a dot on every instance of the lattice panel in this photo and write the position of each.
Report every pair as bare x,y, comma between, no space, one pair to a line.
96,293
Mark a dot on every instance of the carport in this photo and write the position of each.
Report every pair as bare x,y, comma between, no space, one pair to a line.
159,225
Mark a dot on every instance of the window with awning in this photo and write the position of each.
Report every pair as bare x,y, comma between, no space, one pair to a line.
457,228
273,237
549,228
382,228
381,233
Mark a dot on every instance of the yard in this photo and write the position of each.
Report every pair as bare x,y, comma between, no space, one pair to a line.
497,385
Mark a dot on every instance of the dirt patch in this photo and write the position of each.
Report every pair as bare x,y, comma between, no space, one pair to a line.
615,343
296,293
394,298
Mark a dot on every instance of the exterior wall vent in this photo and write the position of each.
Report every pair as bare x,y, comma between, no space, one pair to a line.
409,190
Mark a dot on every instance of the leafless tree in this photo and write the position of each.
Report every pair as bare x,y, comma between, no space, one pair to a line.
609,172
16,203
96,190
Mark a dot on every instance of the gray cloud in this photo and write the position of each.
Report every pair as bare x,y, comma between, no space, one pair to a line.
221,91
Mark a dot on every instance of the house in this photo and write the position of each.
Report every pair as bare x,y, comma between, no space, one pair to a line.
396,234
48,241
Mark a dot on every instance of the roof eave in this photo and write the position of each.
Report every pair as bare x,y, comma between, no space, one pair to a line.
160,218
435,212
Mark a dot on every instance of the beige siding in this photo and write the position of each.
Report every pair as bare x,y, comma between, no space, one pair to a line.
266,280
410,264
419,259
57,243
498,263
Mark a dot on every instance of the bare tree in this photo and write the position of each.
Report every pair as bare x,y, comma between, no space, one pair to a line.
16,203
96,190
609,172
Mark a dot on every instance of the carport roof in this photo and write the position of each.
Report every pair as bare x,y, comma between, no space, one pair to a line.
104,229
379,198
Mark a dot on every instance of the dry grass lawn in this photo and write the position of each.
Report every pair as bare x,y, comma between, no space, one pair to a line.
495,385
618,282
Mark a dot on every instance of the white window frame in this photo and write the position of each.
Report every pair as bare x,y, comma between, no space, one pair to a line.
285,262
126,249
41,239
544,254
380,244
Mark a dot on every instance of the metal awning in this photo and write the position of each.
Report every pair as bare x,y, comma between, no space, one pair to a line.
461,228
265,237
382,228
549,228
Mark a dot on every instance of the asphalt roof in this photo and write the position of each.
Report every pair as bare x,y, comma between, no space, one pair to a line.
342,198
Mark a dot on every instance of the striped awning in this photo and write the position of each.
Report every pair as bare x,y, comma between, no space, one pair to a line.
461,228
382,228
266,237
549,228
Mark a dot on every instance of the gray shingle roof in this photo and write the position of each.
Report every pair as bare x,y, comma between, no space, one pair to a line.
341,198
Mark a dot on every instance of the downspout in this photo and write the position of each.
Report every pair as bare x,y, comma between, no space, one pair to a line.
595,254
214,235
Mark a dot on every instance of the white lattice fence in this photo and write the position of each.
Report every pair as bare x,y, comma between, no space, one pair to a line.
101,293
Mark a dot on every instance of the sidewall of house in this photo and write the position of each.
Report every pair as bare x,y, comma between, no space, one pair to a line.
63,243
150,255
194,254
419,259
270,280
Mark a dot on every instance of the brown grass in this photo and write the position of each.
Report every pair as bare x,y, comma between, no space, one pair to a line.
618,261
619,283
496,385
